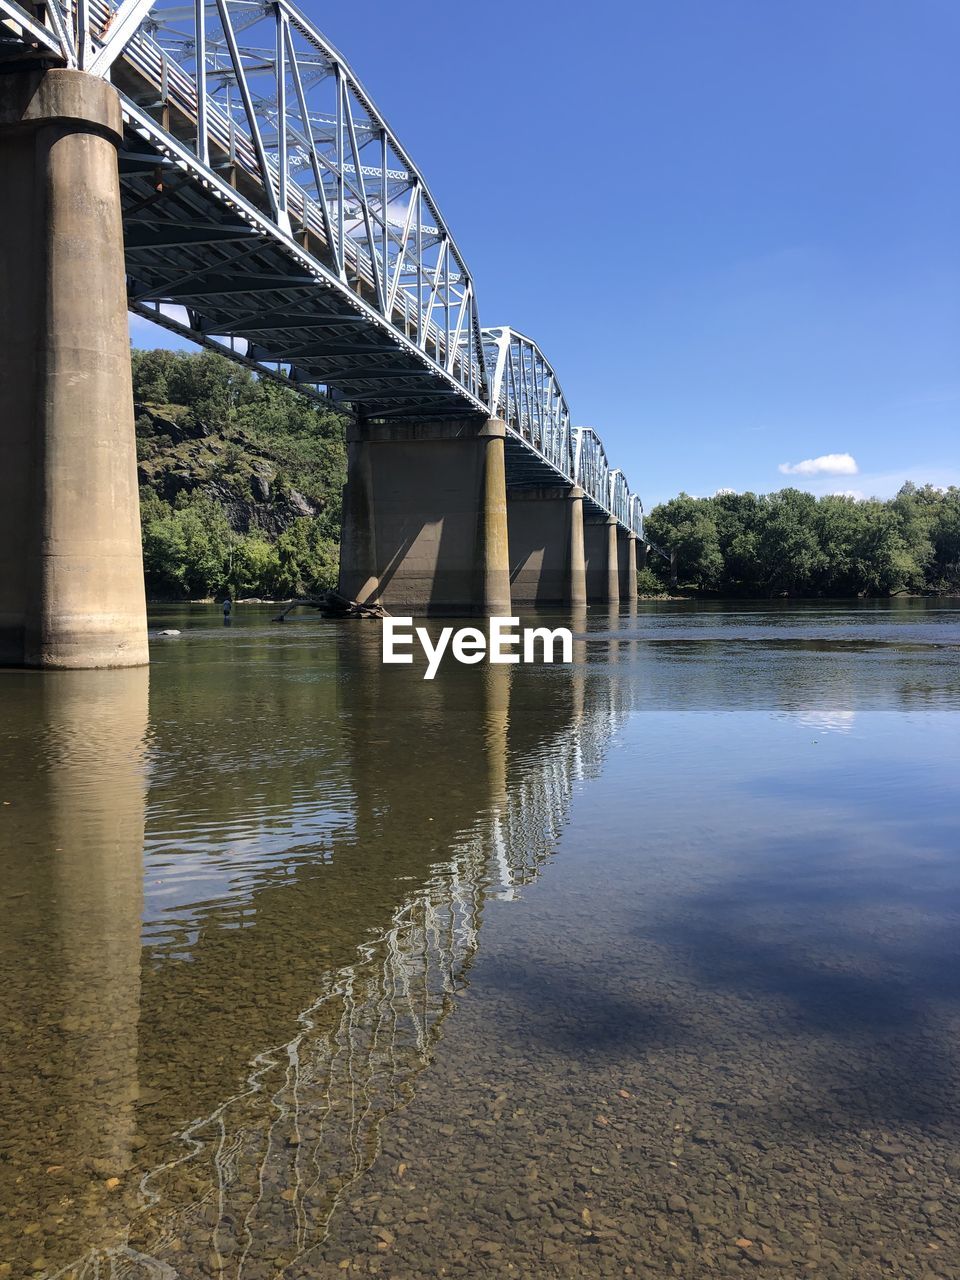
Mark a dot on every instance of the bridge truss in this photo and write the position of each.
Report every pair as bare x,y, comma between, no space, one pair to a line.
271,214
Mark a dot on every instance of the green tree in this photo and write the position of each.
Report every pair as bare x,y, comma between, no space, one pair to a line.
788,550
793,543
256,567
738,518
686,524
212,433
944,569
187,547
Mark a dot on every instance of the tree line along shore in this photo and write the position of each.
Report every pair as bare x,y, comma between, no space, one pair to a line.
241,483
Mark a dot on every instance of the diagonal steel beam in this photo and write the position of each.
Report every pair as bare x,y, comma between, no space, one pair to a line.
412,393
292,320
39,32
212,286
241,77
373,374
333,350
336,249
364,203
138,239
120,27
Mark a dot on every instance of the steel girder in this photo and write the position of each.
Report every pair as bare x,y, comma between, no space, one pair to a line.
619,497
590,467
270,213
526,393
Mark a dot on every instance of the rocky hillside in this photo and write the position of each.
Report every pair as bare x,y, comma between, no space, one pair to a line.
180,457
240,481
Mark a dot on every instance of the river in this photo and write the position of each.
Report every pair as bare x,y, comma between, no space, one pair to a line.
645,965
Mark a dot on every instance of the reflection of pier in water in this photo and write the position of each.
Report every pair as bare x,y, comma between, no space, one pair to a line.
256,1177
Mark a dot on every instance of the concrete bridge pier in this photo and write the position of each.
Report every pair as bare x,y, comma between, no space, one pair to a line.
578,555
545,528
602,560
627,561
425,518
71,572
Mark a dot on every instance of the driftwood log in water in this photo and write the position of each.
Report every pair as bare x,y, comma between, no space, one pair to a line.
333,605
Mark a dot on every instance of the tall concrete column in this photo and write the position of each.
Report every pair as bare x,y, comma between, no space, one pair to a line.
578,560
627,557
613,564
425,518
71,571
493,543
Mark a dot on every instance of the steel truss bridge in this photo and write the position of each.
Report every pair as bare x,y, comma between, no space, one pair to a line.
271,214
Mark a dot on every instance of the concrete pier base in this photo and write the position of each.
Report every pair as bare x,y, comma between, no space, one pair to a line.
71,571
602,561
545,528
425,518
627,563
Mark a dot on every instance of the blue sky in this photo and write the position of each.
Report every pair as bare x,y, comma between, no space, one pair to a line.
733,226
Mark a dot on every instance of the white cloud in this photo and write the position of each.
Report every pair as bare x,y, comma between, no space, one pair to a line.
885,484
856,494
831,464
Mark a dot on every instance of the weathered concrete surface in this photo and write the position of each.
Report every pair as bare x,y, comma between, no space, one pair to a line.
578,558
425,518
493,547
613,563
545,525
627,563
71,573
602,563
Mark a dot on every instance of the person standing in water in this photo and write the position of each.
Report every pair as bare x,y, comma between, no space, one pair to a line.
227,609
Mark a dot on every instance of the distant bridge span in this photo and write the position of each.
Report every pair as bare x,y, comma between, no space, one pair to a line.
267,211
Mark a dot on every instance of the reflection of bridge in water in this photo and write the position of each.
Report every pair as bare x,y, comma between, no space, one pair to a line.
360,956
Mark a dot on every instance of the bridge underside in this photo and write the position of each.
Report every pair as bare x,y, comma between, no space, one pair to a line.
204,261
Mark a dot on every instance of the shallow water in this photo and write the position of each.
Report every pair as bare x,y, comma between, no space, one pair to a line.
644,966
